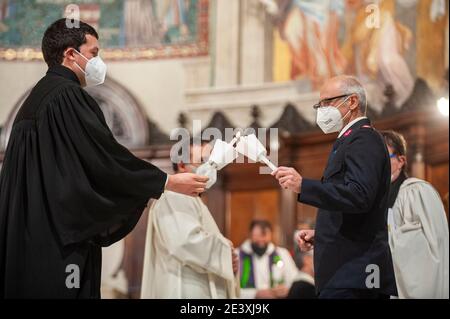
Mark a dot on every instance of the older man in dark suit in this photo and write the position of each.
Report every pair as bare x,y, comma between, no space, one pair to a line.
351,252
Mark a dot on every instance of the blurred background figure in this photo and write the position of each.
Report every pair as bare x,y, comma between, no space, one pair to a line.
418,230
303,286
310,29
266,270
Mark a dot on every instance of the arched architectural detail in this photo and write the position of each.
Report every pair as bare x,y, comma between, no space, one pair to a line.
123,114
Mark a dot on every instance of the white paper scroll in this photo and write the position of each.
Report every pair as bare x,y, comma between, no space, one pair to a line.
251,147
225,153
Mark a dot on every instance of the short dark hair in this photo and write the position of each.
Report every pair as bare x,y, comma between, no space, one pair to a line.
184,145
397,142
58,37
175,167
261,223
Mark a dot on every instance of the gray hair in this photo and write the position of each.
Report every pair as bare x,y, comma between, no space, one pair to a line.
351,85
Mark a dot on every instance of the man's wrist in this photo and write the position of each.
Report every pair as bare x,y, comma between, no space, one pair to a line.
167,182
300,187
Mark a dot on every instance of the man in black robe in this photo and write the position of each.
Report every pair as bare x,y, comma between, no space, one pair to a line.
67,187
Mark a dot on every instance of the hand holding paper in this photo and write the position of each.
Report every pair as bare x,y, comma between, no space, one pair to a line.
221,155
288,178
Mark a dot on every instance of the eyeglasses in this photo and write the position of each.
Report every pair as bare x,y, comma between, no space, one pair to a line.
393,155
327,101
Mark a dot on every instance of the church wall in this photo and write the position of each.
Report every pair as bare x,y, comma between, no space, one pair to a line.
157,85
16,78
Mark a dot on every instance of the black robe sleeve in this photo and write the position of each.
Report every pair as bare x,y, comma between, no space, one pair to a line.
95,188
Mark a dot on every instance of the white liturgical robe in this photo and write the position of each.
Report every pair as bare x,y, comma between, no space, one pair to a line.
419,241
186,256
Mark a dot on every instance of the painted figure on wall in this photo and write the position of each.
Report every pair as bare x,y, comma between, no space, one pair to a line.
176,17
314,40
140,23
375,51
129,29
310,29
159,22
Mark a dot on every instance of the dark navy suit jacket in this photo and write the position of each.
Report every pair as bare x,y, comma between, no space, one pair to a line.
351,227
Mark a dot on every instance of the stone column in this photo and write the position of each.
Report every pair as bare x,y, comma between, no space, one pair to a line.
226,49
288,217
417,151
252,42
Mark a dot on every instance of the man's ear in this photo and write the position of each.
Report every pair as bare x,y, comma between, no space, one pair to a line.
69,54
402,160
354,102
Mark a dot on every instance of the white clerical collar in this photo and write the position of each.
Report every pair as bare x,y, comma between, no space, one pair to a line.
350,125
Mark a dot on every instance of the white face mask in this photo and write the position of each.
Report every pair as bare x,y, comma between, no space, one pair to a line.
95,71
330,119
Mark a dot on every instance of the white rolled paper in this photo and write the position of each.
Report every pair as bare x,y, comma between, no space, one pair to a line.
222,154
266,161
251,147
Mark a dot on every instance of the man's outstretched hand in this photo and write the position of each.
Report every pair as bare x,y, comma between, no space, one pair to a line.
187,183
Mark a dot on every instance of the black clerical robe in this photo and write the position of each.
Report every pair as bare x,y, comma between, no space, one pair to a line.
67,188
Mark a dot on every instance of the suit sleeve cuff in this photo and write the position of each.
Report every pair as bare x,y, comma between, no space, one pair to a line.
308,192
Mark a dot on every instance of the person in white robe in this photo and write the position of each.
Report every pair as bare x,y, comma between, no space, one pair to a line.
186,256
418,230
266,271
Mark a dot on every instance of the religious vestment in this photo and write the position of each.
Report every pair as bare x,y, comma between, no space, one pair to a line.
186,256
275,267
419,241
